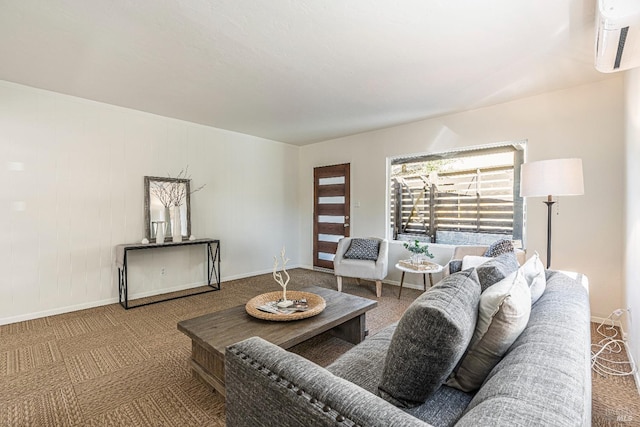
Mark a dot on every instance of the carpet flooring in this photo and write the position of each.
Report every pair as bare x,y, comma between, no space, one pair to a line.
108,366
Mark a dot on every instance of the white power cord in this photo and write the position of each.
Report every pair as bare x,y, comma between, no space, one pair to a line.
610,344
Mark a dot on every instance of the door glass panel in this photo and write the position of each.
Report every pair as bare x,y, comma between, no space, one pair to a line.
335,199
325,256
331,181
329,238
334,219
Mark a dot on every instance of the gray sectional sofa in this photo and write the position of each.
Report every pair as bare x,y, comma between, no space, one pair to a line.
543,380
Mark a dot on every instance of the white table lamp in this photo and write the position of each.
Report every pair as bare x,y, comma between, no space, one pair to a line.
558,177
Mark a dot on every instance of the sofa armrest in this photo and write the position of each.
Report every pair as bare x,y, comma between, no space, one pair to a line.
267,385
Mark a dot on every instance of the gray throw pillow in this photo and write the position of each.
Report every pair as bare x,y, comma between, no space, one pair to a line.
430,340
500,247
455,265
363,249
497,269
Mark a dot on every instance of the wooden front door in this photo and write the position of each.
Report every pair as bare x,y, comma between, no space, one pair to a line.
330,211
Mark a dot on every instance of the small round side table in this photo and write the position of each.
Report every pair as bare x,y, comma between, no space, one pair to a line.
437,268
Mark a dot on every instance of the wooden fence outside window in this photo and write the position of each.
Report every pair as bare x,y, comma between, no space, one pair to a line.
475,201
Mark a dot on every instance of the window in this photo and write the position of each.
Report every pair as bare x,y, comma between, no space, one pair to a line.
461,197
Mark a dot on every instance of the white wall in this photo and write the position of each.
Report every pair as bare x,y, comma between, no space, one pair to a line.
585,121
632,89
81,192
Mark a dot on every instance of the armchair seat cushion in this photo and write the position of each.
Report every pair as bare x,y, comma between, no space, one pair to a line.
360,268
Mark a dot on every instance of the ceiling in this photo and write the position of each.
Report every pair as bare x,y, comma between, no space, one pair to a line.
298,71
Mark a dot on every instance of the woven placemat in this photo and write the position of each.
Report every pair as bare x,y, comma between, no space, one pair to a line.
316,305
425,266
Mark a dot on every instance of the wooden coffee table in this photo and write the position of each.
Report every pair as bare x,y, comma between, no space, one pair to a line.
212,333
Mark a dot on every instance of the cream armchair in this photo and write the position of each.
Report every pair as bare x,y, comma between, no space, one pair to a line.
360,268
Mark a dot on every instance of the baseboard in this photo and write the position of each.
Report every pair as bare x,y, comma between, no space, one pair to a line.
386,282
599,320
55,311
155,292
93,304
636,374
257,273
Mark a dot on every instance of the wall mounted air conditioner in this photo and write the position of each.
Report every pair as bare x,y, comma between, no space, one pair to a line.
618,35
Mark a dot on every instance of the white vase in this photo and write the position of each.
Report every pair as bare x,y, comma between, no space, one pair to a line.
167,221
161,226
177,224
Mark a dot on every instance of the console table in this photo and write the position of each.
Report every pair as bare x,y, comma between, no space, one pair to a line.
213,267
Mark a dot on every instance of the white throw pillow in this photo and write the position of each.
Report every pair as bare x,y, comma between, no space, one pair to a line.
472,261
503,314
534,274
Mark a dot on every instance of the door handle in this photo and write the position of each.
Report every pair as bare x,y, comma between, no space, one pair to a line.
346,225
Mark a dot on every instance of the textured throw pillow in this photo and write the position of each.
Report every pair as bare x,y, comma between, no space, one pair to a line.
503,314
363,249
497,269
430,339
472,261
500,247
534,274
455,265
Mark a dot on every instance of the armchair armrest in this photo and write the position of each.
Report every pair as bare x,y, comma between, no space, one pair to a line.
267,385
343,246
382,263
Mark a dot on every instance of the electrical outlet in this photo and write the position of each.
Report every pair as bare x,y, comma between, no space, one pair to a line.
162,271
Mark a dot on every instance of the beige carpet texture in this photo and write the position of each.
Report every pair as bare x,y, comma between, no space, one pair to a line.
108,366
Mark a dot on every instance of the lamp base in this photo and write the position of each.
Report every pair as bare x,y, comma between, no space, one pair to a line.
549,202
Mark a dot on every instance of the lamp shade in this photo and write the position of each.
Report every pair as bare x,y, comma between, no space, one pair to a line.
558,177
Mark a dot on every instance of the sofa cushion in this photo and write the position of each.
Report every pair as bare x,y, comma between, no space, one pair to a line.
430,339
443,408
363,364
503,314
363,249
496,269
534,274
500,247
